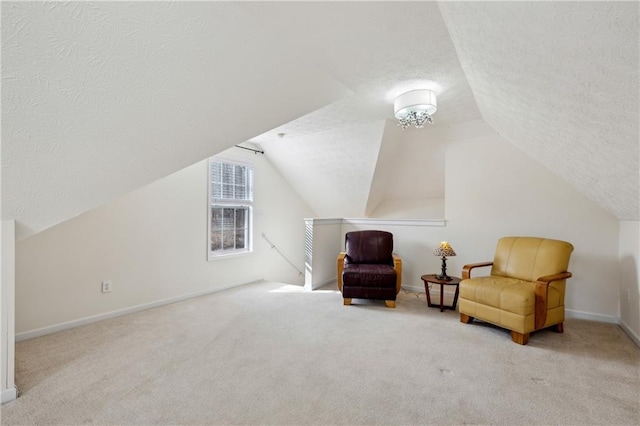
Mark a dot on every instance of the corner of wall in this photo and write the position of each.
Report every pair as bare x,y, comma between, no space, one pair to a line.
629,265
7,312
632,334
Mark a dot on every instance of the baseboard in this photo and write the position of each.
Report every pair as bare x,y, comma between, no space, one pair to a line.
9,394
570,313
315,286
26,335
414,289
632,335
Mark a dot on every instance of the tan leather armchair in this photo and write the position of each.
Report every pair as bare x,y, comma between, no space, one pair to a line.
525,289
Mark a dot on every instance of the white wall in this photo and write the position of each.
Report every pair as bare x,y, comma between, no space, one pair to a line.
7,317
492,189
396,208
322,245
630,278
152,244
413,241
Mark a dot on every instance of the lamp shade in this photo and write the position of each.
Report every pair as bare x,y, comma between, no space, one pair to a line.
444,250
418,101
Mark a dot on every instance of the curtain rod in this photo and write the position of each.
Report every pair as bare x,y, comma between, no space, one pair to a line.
255,151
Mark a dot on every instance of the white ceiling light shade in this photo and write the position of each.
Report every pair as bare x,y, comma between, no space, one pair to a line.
415,107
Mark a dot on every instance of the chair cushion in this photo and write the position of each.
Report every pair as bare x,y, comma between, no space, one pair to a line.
529,258
372,247
508,294
369,276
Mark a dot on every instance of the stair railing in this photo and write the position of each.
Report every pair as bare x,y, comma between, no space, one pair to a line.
274,247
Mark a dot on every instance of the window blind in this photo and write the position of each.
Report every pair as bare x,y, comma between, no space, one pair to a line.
231,182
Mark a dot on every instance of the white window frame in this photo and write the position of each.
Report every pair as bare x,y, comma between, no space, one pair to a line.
229,203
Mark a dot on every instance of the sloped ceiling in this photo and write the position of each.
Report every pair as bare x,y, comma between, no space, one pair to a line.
332,169
560,81
330,155
557,79
99,99
102,98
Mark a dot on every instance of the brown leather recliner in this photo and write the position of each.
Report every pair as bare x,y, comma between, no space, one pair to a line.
369,269
525,289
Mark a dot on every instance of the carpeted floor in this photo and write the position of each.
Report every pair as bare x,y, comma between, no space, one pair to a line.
270,353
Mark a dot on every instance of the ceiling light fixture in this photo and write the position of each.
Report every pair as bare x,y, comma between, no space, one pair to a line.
415,107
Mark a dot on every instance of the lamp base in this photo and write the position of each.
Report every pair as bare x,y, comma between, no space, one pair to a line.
443,270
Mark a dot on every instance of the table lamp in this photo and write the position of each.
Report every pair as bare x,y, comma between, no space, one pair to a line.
444,250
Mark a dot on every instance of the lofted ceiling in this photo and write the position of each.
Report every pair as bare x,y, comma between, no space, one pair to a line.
99,99
560,81
102,98
330,155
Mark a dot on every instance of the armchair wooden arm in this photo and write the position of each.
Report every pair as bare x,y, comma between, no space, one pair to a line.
542,293
466,269
340,268
397,265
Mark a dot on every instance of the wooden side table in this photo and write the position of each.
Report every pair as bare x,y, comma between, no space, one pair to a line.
431,278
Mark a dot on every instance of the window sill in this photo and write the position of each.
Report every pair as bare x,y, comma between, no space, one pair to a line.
228,255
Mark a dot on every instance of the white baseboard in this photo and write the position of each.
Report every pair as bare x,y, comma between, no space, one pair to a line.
434,290
632,335
414,289
9,394
570,313
26,335
315,286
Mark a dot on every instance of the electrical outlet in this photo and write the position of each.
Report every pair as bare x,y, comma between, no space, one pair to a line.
106,286
628,295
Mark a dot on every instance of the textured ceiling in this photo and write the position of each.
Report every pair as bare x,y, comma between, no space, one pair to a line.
331,155
99,99
102,98
560,81
332,170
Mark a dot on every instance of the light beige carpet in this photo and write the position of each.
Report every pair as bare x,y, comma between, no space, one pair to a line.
269,353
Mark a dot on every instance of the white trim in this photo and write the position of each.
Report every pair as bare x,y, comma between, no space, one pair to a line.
632,335
315,286
327,221
7,290
570,313
394,222
211,255
228,255
124,311
375,221
9,394
434,289
413,289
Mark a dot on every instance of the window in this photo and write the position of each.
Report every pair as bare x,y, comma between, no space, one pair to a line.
230,207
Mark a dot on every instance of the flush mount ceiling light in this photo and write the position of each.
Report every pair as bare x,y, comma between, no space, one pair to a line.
415,107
